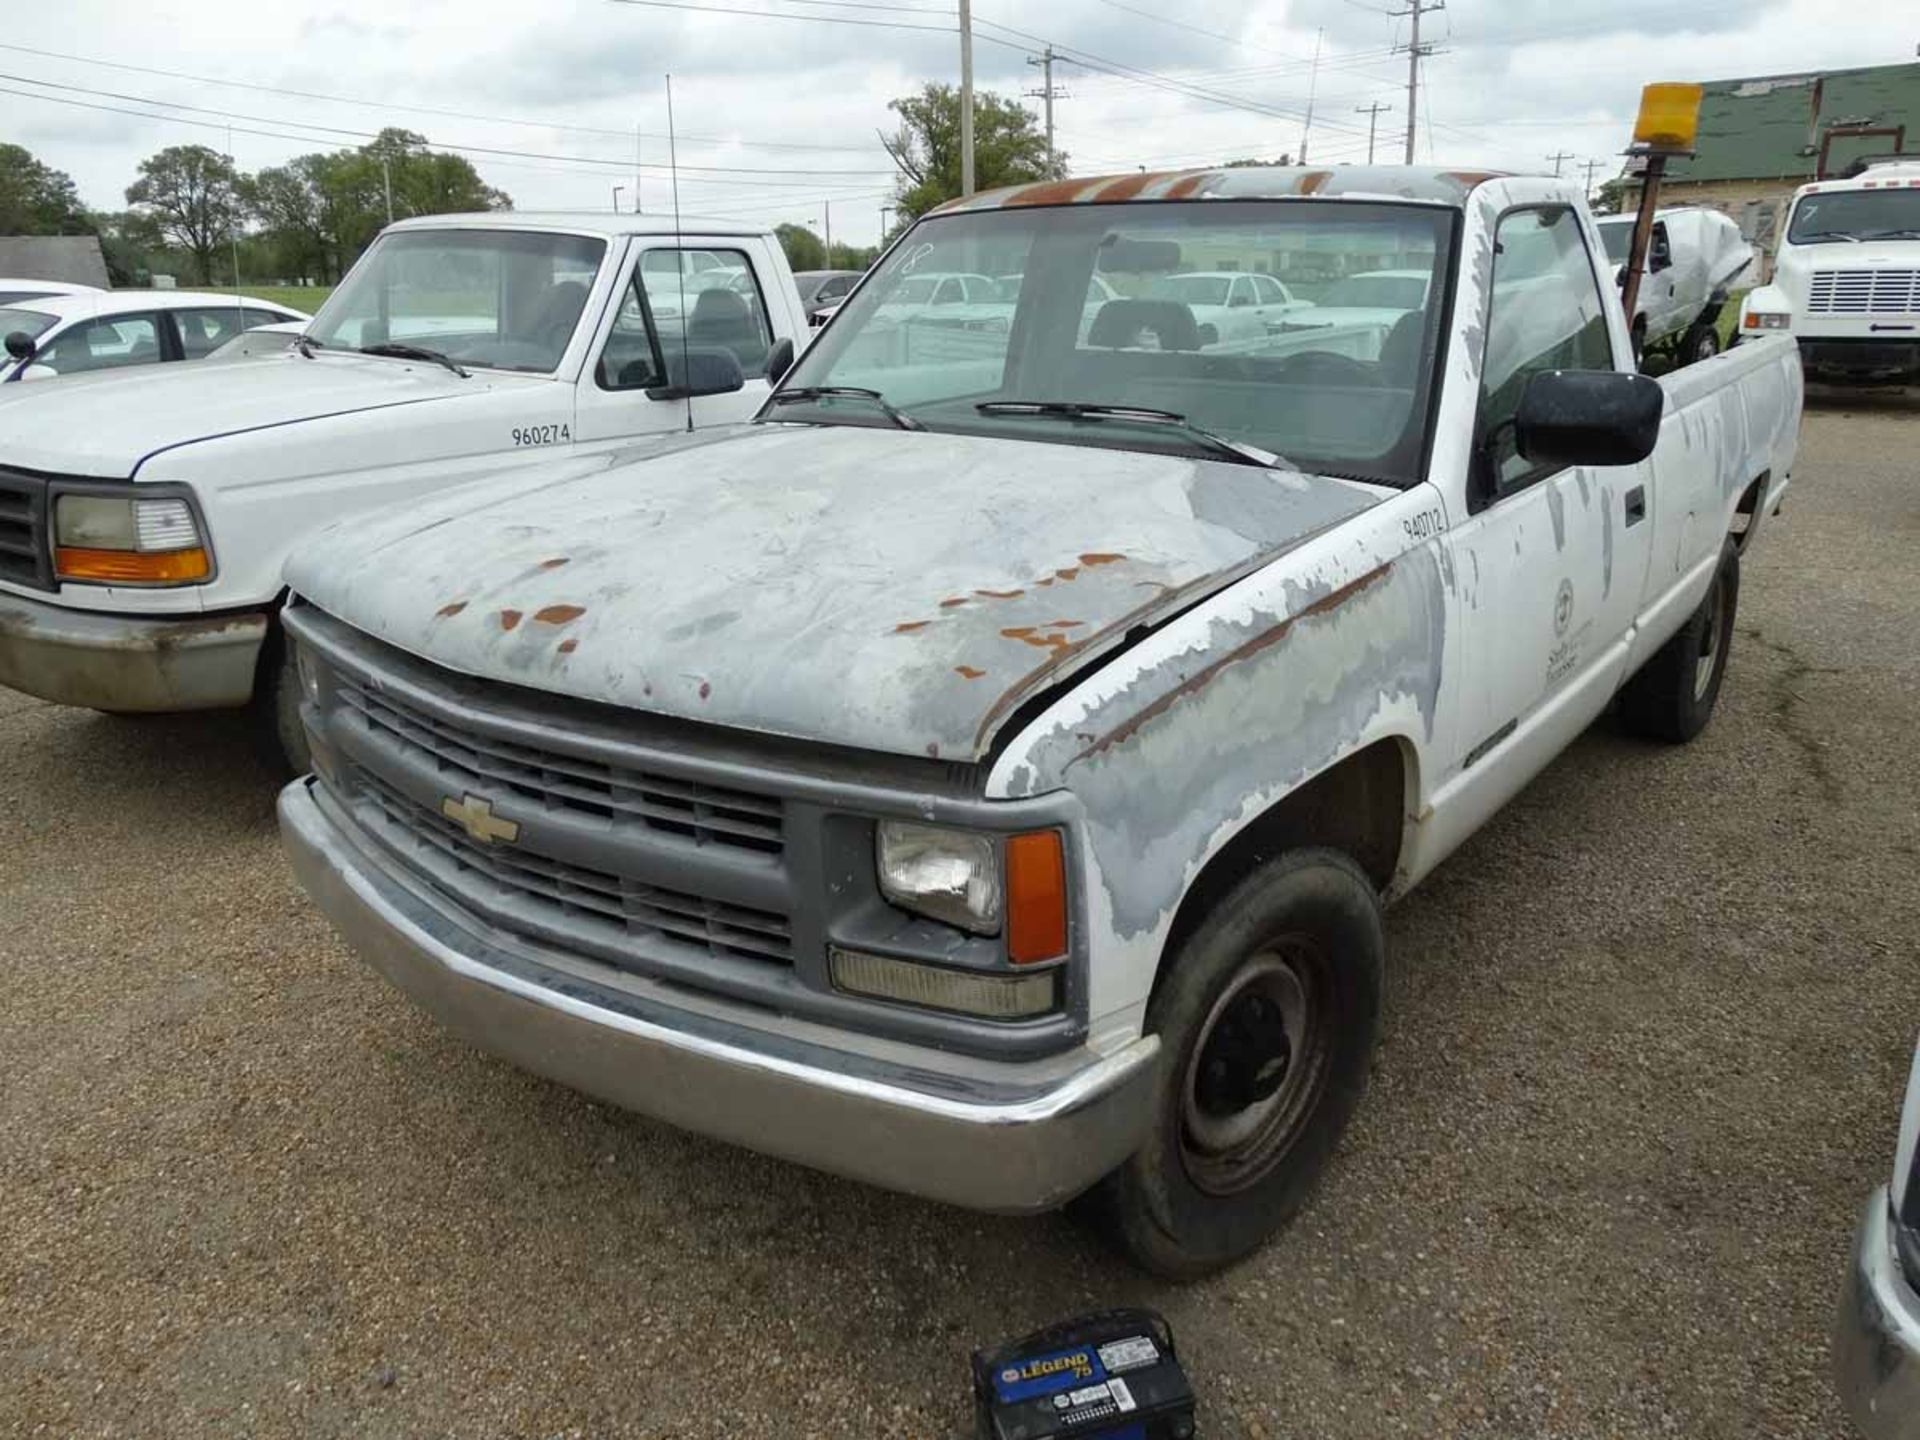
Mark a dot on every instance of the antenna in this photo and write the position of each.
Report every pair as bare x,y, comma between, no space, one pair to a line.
679,256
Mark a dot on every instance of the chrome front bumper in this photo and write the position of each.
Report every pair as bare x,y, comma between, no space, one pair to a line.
124,662
1024,1138
1876,1341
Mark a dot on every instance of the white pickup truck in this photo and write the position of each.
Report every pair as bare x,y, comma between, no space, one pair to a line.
1846,278
145,516
984,774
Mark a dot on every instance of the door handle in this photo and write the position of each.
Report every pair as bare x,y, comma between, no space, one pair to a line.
1636,505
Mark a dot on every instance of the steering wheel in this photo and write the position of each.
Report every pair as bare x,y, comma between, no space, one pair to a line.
1340,369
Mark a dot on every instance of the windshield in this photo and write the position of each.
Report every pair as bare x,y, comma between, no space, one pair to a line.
499,299
31,323
1192,289
1098,320
1387,292
1861,214
1619,241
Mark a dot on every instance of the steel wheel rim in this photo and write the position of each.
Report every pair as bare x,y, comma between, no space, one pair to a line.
1709,657
1228,1151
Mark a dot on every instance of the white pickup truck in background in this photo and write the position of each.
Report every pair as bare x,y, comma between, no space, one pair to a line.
145,516
1695,258
1846,278
984,776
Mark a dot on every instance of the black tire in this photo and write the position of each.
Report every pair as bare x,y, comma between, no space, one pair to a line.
1209,335
1289,968
1702,342
281,737
1673,695
1637,336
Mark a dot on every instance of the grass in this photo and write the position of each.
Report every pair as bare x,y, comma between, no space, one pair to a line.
304,298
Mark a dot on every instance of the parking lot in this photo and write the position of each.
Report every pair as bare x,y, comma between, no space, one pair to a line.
1647,1038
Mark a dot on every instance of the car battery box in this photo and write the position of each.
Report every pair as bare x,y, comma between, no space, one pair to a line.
1110,1376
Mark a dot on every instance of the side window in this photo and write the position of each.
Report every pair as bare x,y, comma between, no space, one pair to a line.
1659,248
204,331
257,318
1267,292
628,361
1546,313
834,289
949,293
1242,294
104,345
724,309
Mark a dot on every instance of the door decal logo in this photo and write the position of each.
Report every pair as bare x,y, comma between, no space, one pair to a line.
1563,608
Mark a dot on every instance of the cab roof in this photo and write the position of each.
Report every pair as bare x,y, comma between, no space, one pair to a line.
1250,182
580,222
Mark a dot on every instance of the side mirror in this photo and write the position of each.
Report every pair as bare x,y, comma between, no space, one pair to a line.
779,361
704,372
1588,417
20,345
39,372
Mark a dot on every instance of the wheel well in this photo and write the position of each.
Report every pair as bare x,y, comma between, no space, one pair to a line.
1357,807
1746,513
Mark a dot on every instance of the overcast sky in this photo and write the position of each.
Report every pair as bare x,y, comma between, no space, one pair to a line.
778,117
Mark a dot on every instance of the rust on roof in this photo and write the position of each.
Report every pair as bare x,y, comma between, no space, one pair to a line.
1249,182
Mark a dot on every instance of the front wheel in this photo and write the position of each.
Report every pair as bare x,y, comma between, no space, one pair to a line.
1702,343
278,729
1267,1017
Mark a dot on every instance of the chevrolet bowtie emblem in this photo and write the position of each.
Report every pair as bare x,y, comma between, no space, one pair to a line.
476,817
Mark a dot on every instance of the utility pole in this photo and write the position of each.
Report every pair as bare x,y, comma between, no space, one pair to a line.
1313,82
1047,93
1372,112
966,96
1557,160
386,183
1590,167
1415,50
636,167
616,198
885,211
827,210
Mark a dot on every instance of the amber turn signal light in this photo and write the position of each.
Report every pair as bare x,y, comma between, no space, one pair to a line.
134,567
1036,897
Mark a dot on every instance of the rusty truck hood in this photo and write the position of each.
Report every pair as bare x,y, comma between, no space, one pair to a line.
896,591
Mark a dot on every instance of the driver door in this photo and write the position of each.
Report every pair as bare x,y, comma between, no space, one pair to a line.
639,350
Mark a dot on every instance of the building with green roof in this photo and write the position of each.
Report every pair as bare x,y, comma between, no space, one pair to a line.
1763,137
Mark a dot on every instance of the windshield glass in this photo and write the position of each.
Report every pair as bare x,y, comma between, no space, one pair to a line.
1862,214
1098,318
500,299
31,323
1619,241
1390,292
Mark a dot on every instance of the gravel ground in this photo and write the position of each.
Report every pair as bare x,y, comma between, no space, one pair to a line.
1645,1053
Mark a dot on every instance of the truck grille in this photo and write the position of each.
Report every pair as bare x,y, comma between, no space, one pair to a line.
508,884
1864,292
706,814
23,530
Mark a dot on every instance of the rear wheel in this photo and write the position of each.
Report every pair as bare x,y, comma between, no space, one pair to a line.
1267,1018
1673,695
1702,342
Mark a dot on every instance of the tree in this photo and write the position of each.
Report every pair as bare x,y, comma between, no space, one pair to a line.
36,200
1251,164
195,196
804,248
1008,147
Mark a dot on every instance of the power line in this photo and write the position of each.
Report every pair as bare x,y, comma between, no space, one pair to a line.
444,145
393,105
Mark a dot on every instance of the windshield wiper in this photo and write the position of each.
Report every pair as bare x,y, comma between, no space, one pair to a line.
846,392
1824,236
417,352
1904,234
1137,415
306,345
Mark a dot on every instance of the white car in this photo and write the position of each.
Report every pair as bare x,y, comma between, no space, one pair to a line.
1229,305
112,329
1693,259
1372,297
14,290
145,514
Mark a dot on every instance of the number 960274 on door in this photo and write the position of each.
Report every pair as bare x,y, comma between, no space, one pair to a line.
542,435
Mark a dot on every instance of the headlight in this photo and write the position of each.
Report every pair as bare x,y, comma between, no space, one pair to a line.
950,875
308,671
1762,320
122,540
